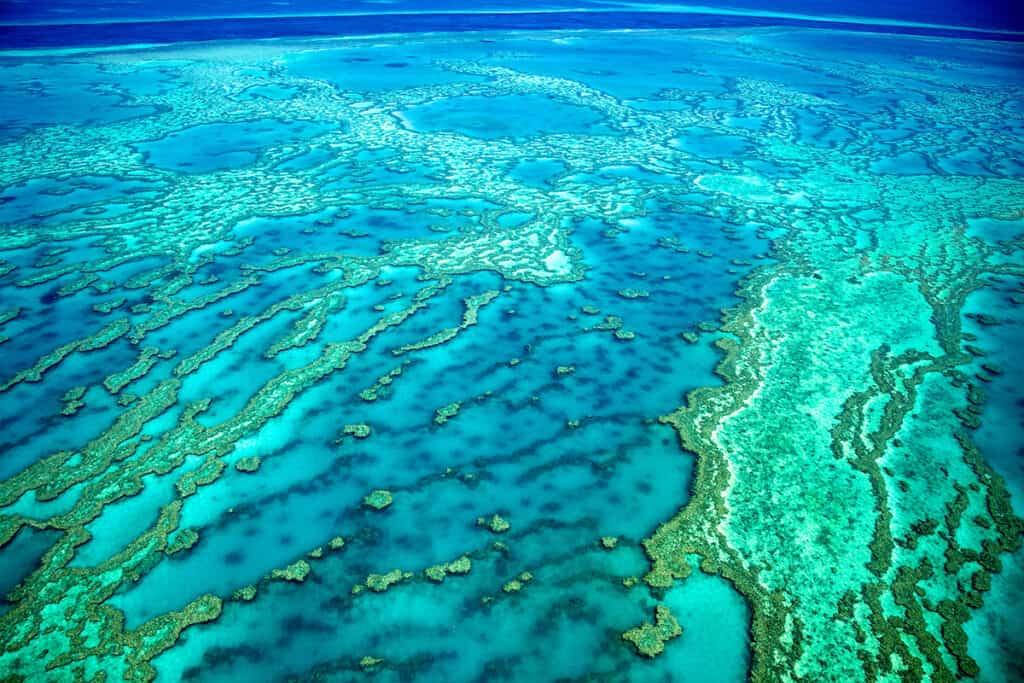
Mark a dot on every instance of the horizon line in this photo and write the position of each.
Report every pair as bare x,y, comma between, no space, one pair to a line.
615,9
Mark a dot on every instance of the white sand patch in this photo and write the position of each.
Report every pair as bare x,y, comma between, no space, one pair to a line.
557,262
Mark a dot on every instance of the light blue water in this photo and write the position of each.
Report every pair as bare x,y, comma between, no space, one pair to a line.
219,146
496,117
397,165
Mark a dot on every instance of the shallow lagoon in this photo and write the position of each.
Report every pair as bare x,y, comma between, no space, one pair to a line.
484,272
513,116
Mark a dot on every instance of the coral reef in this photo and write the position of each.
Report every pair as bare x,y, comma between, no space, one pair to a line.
378,499
297,571
250,463
495,523
164,320
649,639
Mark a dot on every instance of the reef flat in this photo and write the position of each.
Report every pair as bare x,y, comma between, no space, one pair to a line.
585,355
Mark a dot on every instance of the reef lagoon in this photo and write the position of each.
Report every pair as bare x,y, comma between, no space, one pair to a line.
547,355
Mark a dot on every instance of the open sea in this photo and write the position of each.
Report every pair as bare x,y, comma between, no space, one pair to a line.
588,342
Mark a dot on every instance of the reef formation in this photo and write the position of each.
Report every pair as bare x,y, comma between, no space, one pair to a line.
370,330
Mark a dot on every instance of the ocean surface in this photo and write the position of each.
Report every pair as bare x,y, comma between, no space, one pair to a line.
570,342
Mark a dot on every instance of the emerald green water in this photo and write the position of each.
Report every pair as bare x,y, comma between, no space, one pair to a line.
718,321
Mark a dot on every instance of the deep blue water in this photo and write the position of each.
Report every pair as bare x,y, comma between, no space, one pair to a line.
68,23
994,14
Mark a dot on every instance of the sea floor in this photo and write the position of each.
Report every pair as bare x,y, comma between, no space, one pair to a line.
609,356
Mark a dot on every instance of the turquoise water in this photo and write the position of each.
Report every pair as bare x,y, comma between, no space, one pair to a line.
699,314
507,116
220,146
